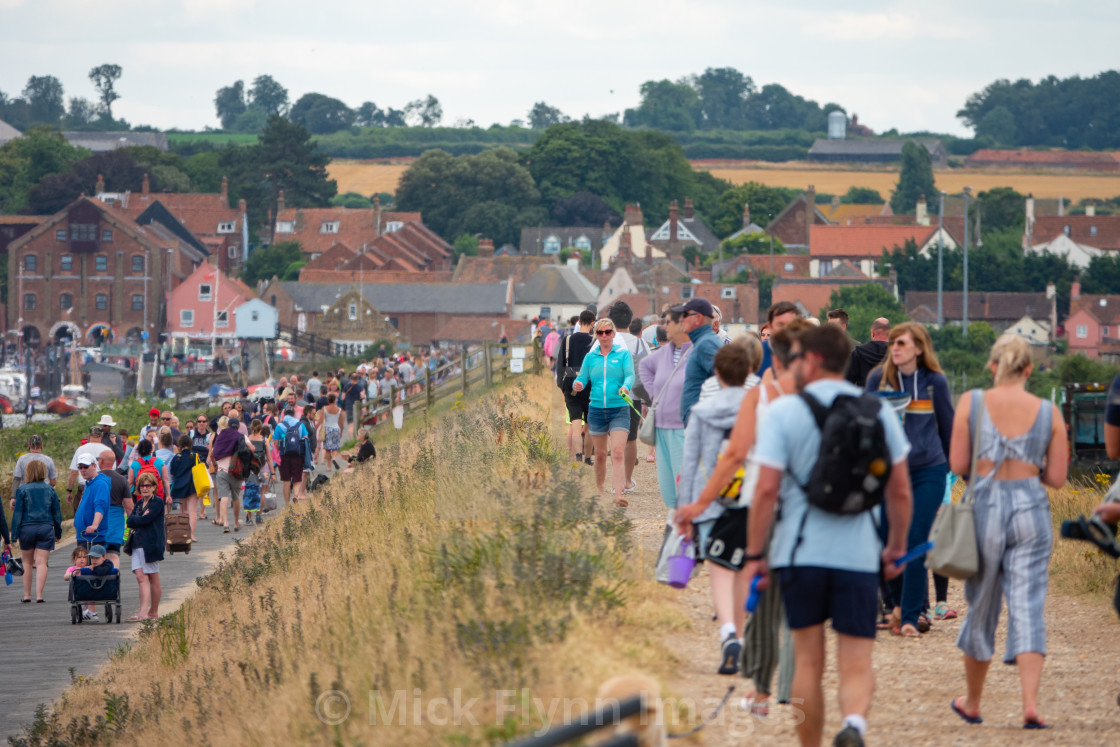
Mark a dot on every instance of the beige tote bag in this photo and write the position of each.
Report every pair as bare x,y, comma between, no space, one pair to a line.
955,552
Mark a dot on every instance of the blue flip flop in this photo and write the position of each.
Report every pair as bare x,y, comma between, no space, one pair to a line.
965,716
1035,725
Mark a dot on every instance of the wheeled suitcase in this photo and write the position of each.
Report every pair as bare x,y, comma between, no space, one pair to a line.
178,533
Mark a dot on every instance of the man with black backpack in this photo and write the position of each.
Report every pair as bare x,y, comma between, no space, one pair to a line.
294,449
569,357
829,458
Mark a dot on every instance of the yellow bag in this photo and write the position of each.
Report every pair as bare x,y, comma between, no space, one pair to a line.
202,481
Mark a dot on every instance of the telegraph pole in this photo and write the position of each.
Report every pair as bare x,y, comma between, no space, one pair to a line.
964,299
940,260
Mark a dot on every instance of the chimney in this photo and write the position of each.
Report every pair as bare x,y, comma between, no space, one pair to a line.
921,212
746,214
1061,207
145,188
242,206
100,185
633,215
625,252
486,248
674,216
299,220
1075,288
225,191
810,211
688,208
279,204
1090,210
835,201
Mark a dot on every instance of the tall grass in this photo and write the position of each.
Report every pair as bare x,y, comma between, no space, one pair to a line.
1080,567
468,562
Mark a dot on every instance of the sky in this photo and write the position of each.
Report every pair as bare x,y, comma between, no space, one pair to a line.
906,65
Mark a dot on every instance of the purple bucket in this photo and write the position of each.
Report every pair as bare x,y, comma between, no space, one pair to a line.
680,567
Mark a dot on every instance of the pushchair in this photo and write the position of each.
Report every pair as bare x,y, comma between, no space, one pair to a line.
94,590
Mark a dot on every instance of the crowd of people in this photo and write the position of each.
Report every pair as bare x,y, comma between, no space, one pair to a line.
738,433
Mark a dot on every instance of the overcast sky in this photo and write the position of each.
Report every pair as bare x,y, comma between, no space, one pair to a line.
909,65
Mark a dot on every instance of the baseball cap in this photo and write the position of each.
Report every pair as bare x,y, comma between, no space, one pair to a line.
154,412
85,460
96,551
700,306
233,423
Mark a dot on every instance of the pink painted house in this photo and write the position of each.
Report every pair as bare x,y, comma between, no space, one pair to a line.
1093,324
201,308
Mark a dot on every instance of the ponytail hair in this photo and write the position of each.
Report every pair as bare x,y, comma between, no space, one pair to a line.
1012,356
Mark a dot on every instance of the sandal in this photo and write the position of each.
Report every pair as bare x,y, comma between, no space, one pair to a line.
621,502
908,631
924,624
941,611
134,619
957,710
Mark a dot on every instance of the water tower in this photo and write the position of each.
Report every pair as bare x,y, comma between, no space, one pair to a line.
837,125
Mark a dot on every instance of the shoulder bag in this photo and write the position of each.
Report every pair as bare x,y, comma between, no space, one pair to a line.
955,552
647,431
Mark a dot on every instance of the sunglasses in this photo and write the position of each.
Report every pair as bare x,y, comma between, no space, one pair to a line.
687,314
604,332
900,343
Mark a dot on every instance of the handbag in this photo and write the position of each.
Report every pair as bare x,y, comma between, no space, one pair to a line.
647,431
671,542
201,476
955,552
727,542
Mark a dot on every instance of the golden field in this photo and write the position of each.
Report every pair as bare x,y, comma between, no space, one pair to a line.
368,177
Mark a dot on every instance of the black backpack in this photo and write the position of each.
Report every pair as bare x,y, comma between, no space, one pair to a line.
854,463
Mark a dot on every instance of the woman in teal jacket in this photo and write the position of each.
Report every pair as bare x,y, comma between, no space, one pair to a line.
608,373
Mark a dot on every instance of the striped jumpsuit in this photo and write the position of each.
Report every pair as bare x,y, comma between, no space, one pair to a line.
1015,536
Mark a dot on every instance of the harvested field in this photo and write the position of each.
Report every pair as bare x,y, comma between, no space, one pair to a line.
367,177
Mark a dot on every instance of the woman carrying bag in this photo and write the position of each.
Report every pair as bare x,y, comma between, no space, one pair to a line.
662,373
1021,447
146,545
36,525
182,480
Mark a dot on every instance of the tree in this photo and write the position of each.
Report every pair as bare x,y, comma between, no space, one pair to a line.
278,260
104,79
81,114
321,114
865,303
1002,208
862,196
425,112
55,191
1102,276
543,116
368,114
44,100
465,244
584,209
997,126
25,161
229,102
750,243
723,95
674,107
268,96
251,120
352,200
765,203
914,179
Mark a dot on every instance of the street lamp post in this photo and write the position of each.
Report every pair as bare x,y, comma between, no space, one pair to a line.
964,298
940,261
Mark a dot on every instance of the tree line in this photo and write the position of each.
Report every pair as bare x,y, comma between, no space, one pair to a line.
43,102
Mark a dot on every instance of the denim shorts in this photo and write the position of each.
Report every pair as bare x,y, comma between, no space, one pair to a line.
36,537
601,421
849,598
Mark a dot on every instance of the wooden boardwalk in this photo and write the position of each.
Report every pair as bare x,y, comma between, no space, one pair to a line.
39,645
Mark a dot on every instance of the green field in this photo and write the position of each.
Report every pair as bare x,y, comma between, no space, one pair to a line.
216,138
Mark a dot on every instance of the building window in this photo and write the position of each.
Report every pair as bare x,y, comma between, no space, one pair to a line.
826,267
29,301
254,316
1082,330
222,319
137,264
552,245
83,232
394,225
101,263
583,243
233,251
353,312
686,292
65,301
789,267
284,226
60,234
727,293
1066,230
227,226
30,262
137,302
186,317
204,291
107,235
1092,230
67,262
102,302
329,226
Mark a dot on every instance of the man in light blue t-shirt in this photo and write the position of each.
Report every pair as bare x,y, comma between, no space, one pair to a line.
828,564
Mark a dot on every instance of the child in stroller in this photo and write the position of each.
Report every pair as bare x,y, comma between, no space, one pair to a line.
98,582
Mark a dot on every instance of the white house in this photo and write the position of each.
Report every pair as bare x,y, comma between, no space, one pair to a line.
256,320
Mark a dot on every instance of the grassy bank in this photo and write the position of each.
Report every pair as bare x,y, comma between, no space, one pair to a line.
454,588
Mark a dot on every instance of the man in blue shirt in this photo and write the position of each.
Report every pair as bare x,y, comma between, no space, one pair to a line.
91,519
828,564
292,463
696,319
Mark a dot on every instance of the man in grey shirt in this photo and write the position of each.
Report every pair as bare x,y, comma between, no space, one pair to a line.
35,453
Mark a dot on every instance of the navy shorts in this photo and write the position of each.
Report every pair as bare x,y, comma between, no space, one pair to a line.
601,421
813,595
36,537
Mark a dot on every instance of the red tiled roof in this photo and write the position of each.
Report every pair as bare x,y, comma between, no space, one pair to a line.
480,328
200,213
22,220
492,269
863,241
1099,231
1105,309
989,306
333,258
356,227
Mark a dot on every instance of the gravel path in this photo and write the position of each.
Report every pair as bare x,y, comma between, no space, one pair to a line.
916,678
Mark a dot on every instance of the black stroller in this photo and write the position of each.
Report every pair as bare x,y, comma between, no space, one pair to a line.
95,590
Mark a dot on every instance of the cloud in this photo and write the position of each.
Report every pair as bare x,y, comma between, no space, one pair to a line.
879,26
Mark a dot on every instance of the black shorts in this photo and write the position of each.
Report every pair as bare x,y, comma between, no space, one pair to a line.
291,468
577,405
813,595
113,547
36,537
635,421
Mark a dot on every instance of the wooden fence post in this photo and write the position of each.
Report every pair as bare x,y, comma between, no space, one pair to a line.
486,362
464,367
428,387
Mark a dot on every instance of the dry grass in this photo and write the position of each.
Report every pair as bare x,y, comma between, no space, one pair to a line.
468,563
1079,567
366,177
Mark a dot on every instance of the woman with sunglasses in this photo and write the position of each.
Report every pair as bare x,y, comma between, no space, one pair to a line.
911,367
146,522
200,447
608,373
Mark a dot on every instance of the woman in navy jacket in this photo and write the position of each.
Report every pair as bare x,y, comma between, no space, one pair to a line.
146,523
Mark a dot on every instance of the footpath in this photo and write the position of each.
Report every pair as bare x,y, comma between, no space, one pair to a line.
41,650
916,678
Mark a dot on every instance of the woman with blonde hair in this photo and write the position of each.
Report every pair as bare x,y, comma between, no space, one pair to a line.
911,367
1021,448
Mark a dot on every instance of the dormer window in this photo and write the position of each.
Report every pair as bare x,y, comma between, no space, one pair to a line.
353,312
284,226
1092,230
552,244
727,293
329,226
204,292
227,226
1066,230
583,243
394,225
